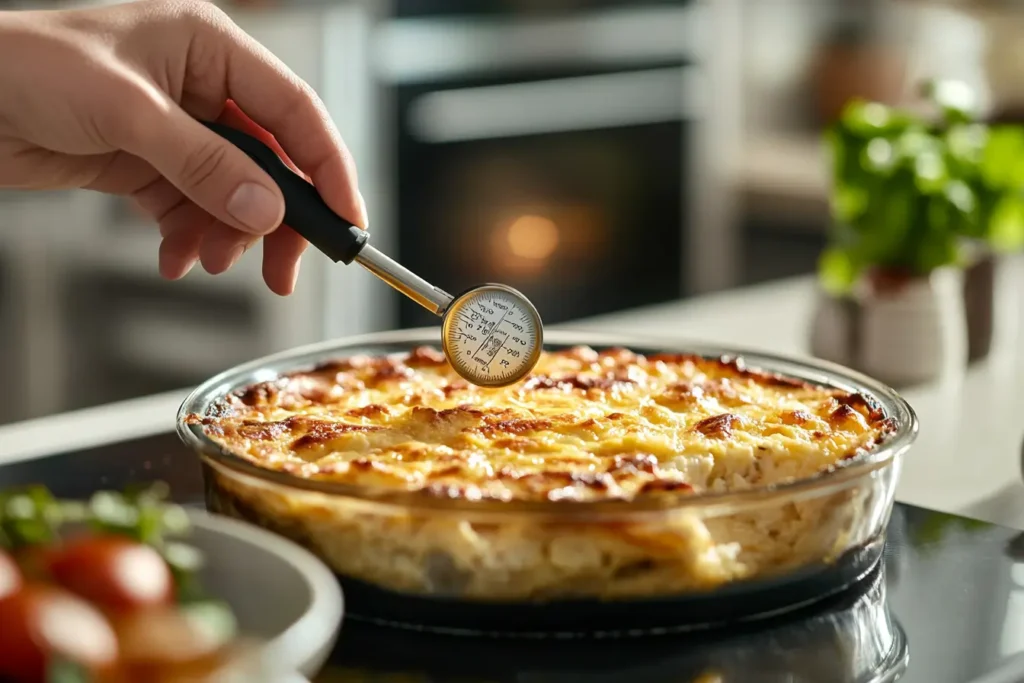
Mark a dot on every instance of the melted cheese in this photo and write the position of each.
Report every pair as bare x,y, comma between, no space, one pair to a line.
583,426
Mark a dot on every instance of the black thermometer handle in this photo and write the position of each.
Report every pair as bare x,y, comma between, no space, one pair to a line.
305,211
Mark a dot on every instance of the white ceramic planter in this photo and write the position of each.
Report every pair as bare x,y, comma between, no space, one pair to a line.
905,335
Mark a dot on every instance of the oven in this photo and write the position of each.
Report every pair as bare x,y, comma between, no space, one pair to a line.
551,153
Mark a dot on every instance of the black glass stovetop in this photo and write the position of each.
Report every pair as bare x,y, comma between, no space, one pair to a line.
946,605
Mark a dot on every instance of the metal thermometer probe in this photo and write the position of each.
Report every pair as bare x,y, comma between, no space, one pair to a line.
491,334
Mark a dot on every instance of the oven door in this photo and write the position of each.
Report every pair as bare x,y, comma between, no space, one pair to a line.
568,187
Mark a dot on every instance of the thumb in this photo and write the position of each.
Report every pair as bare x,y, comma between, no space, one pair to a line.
213,173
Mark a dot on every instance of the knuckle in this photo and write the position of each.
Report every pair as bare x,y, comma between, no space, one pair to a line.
304,101
300,96
197,14
201,163
307,93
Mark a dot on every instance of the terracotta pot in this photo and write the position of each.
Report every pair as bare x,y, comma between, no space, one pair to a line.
845,72
901,330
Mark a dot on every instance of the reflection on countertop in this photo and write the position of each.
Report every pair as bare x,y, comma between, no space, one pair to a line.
848,642
941,609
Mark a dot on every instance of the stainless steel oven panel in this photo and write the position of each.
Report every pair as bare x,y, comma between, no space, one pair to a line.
418,50
431,55
557,105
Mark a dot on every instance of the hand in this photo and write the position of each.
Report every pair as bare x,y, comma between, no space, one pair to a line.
107,99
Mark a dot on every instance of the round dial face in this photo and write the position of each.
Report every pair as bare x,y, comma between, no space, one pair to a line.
492,336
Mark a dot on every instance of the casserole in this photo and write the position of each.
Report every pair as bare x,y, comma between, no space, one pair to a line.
444,561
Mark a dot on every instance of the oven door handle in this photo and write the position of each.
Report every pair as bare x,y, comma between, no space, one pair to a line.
557,105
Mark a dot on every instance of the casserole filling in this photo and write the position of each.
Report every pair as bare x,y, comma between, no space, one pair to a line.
584,426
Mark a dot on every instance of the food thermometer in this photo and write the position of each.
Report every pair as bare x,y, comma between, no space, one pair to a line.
491,334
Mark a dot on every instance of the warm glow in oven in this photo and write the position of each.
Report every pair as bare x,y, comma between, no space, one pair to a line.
530,238
528,243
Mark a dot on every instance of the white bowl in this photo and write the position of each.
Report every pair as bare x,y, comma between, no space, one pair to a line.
280,593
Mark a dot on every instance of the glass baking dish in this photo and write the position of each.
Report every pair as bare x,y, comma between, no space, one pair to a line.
540,568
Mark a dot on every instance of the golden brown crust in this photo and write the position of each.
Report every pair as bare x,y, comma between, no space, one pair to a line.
585,425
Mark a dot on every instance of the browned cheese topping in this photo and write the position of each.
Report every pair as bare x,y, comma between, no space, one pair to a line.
585,425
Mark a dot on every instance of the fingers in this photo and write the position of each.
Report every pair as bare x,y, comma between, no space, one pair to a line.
282,251
283,248
179,249
207,169
232,116
181,222
159,198
275,98
222,247
189,233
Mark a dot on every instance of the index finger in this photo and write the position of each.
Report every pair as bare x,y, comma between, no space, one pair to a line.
274,97
236,118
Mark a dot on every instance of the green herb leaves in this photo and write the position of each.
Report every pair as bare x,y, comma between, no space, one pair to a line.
141,514
29,516
908,192
62,671
33,516
214,619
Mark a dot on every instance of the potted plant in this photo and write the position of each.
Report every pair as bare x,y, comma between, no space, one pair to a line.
916,199
993,169
989,291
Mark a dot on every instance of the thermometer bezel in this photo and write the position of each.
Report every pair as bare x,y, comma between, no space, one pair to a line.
528,307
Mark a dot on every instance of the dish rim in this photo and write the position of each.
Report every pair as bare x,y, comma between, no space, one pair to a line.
816,371
301,644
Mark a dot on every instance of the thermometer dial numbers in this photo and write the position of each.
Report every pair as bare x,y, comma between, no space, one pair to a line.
492,336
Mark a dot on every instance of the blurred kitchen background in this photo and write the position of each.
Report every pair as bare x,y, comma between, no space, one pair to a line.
597,154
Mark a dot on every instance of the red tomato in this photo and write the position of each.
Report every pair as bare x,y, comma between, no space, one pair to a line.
10,575
41,622
114,572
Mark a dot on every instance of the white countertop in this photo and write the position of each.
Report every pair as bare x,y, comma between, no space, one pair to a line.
967,459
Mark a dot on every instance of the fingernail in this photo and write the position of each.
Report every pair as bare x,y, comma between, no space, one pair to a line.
188,268
179,272
295,275
236,255
256,207
365,215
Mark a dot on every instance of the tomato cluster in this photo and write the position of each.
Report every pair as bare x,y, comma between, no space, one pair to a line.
102,607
